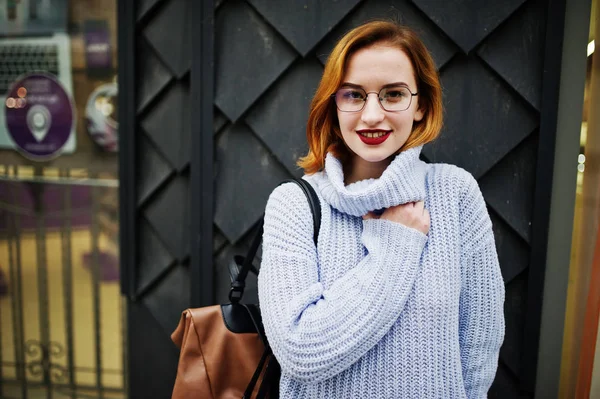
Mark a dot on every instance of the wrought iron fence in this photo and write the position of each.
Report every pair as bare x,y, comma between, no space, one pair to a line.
62,317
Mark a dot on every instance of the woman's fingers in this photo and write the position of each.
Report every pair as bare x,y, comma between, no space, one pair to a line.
412,214
370,215
419,206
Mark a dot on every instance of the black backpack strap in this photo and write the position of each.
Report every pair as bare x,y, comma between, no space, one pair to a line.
264,361
244,264
269,386
313,202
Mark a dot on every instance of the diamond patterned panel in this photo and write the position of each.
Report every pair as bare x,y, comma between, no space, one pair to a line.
152,372
515,309
304,23
246,175
489,100
219,120
169,298
249,56
219,240
152,254
144,6
467,22
508,186
513,253
153,170
168,213
171,114
484,120
173,47
521,42
401,11
279,118
153,76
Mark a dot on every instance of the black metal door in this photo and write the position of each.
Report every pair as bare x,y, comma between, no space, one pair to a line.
498,66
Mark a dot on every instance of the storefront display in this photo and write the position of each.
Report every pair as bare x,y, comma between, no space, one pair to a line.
22,56
60,303
39,116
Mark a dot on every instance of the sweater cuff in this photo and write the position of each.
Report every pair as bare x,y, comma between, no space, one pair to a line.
385,238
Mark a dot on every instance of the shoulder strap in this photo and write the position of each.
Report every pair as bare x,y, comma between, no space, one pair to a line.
239,279
313,202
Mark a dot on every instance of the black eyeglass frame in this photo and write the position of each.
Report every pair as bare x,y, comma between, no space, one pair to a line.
378,98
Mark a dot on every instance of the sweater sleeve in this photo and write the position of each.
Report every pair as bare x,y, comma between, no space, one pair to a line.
482,295
317,333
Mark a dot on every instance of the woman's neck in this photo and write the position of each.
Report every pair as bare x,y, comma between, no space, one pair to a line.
358,169
402,181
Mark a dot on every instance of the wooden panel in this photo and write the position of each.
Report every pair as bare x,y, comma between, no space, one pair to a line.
175,48
159,172
484,120
289,96
520,41
468,22
304,23
403,11
244,40
247,173
171,113
156,355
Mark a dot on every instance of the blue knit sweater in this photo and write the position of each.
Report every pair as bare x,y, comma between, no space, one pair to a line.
380,310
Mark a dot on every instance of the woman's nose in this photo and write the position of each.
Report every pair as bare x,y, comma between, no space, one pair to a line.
372,113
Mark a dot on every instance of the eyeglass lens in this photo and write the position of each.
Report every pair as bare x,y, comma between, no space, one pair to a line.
350,99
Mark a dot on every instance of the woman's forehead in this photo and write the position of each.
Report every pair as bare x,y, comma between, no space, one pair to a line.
379,65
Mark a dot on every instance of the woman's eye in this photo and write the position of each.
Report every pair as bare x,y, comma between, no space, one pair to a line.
354,95
395,94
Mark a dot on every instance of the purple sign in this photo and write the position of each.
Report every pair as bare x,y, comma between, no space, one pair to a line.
39,116
97,47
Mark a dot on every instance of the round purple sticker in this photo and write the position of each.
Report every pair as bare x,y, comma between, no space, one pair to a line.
39,116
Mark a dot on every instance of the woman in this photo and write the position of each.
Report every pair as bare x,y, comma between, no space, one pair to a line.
403,296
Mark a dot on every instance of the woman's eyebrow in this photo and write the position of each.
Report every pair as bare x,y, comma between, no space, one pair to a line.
348,84
395,84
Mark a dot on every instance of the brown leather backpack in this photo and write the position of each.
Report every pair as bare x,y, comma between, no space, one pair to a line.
224,353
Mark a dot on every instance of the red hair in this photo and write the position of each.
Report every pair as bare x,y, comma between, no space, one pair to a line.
322,130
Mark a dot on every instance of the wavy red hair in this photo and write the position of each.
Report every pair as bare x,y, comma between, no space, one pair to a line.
322,130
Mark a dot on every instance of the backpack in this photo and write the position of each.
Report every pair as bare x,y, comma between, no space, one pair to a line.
223,349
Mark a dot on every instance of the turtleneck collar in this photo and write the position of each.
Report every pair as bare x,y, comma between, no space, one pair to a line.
402,181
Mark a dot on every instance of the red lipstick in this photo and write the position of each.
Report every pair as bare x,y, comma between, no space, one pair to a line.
373,136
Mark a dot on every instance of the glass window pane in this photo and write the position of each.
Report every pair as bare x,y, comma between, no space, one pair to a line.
60,301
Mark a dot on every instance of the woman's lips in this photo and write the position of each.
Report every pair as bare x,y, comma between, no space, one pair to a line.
373,137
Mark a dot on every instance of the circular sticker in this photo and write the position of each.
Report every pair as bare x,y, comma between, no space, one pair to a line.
39,116
101,113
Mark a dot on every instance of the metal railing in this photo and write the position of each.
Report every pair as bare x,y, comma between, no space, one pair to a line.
62,317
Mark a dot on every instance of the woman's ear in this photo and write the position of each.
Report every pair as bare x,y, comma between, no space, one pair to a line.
419,114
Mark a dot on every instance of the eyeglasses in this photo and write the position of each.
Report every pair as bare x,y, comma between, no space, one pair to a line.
392,99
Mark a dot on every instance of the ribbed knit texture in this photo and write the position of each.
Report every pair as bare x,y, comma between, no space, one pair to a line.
380,310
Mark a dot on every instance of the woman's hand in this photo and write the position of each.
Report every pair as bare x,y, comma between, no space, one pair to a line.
412,214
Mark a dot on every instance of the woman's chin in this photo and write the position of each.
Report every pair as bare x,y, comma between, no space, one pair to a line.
375,156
